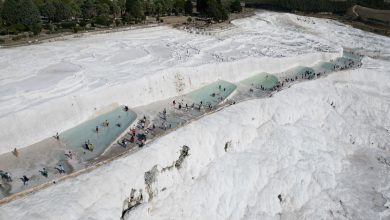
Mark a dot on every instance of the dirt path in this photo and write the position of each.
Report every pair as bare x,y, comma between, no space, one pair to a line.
354,11
355,20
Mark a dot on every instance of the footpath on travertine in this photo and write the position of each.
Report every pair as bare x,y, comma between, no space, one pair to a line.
153,112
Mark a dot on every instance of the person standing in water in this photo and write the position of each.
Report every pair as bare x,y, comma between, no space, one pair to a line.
44,172
61,168
25,180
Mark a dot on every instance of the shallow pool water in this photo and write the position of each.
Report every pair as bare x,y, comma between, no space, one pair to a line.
75,138
301,70
325,67
266,80
350,55
213,93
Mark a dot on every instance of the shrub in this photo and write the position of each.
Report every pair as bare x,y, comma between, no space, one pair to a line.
36,28
16,28
118,22
83,23
68,25
3,31
18,37
235,6
103,20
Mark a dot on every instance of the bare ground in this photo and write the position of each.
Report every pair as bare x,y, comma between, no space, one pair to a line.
366,19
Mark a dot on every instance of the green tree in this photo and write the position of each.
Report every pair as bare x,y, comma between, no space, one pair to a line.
134,9
178,6
201,6
39,3
188,7
59,10
28,13
103,9
158,8
103,20
63,10
36,28
75,7
149,8
115,9
235,6
106,6
49,10
88,10
215,10
122,5
9,12
1,9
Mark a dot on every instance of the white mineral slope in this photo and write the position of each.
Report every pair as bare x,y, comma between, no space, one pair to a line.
323,33
53,86
327,163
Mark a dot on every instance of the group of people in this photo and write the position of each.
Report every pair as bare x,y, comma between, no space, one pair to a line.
180,105
138,138
220,88
44,172
88,145
346,65
142,134
6,176
125,142
106,123
193,106
308,74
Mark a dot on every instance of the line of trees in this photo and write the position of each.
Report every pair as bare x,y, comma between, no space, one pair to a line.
21,14
335,6
31,15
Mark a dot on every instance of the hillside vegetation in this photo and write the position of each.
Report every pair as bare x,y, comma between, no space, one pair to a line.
334,6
